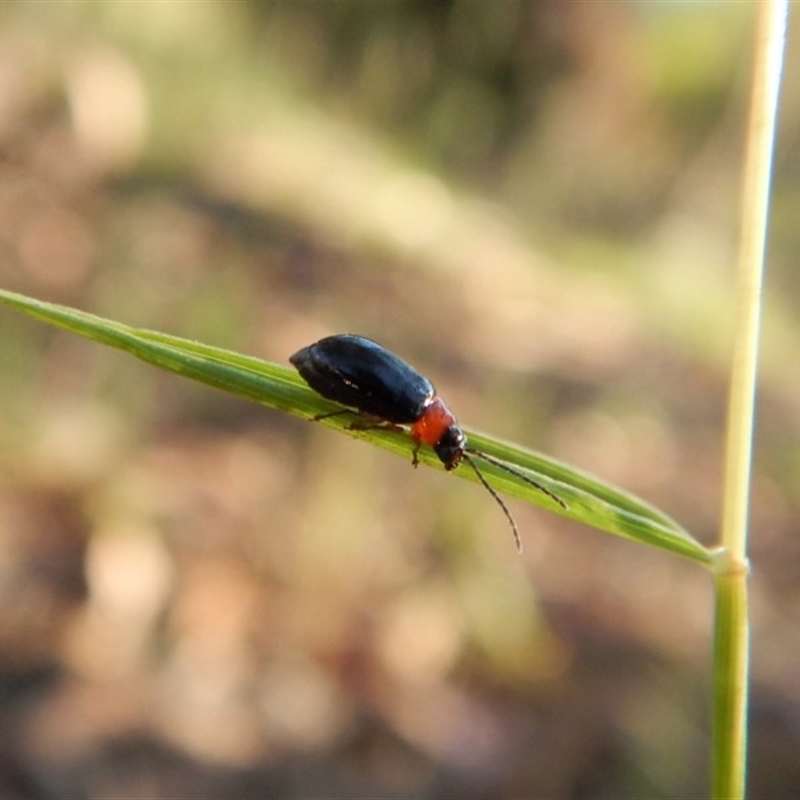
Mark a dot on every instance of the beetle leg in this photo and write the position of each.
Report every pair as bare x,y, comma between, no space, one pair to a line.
318,417
365,422
367,425
415,452
362,422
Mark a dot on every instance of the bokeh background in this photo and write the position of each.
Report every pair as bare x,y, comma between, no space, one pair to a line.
536,204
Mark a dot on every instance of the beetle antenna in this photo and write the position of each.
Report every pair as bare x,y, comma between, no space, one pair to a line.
497,497
498,463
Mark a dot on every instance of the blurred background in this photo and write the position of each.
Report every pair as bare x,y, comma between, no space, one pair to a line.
536,205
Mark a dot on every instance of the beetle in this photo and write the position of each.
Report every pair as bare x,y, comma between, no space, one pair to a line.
379,386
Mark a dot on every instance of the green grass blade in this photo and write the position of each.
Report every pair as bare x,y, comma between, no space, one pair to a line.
588,500
731,669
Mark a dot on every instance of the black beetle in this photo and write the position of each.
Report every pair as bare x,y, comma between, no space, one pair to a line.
362,375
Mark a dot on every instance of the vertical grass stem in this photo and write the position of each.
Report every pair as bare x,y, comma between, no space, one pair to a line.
731,637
